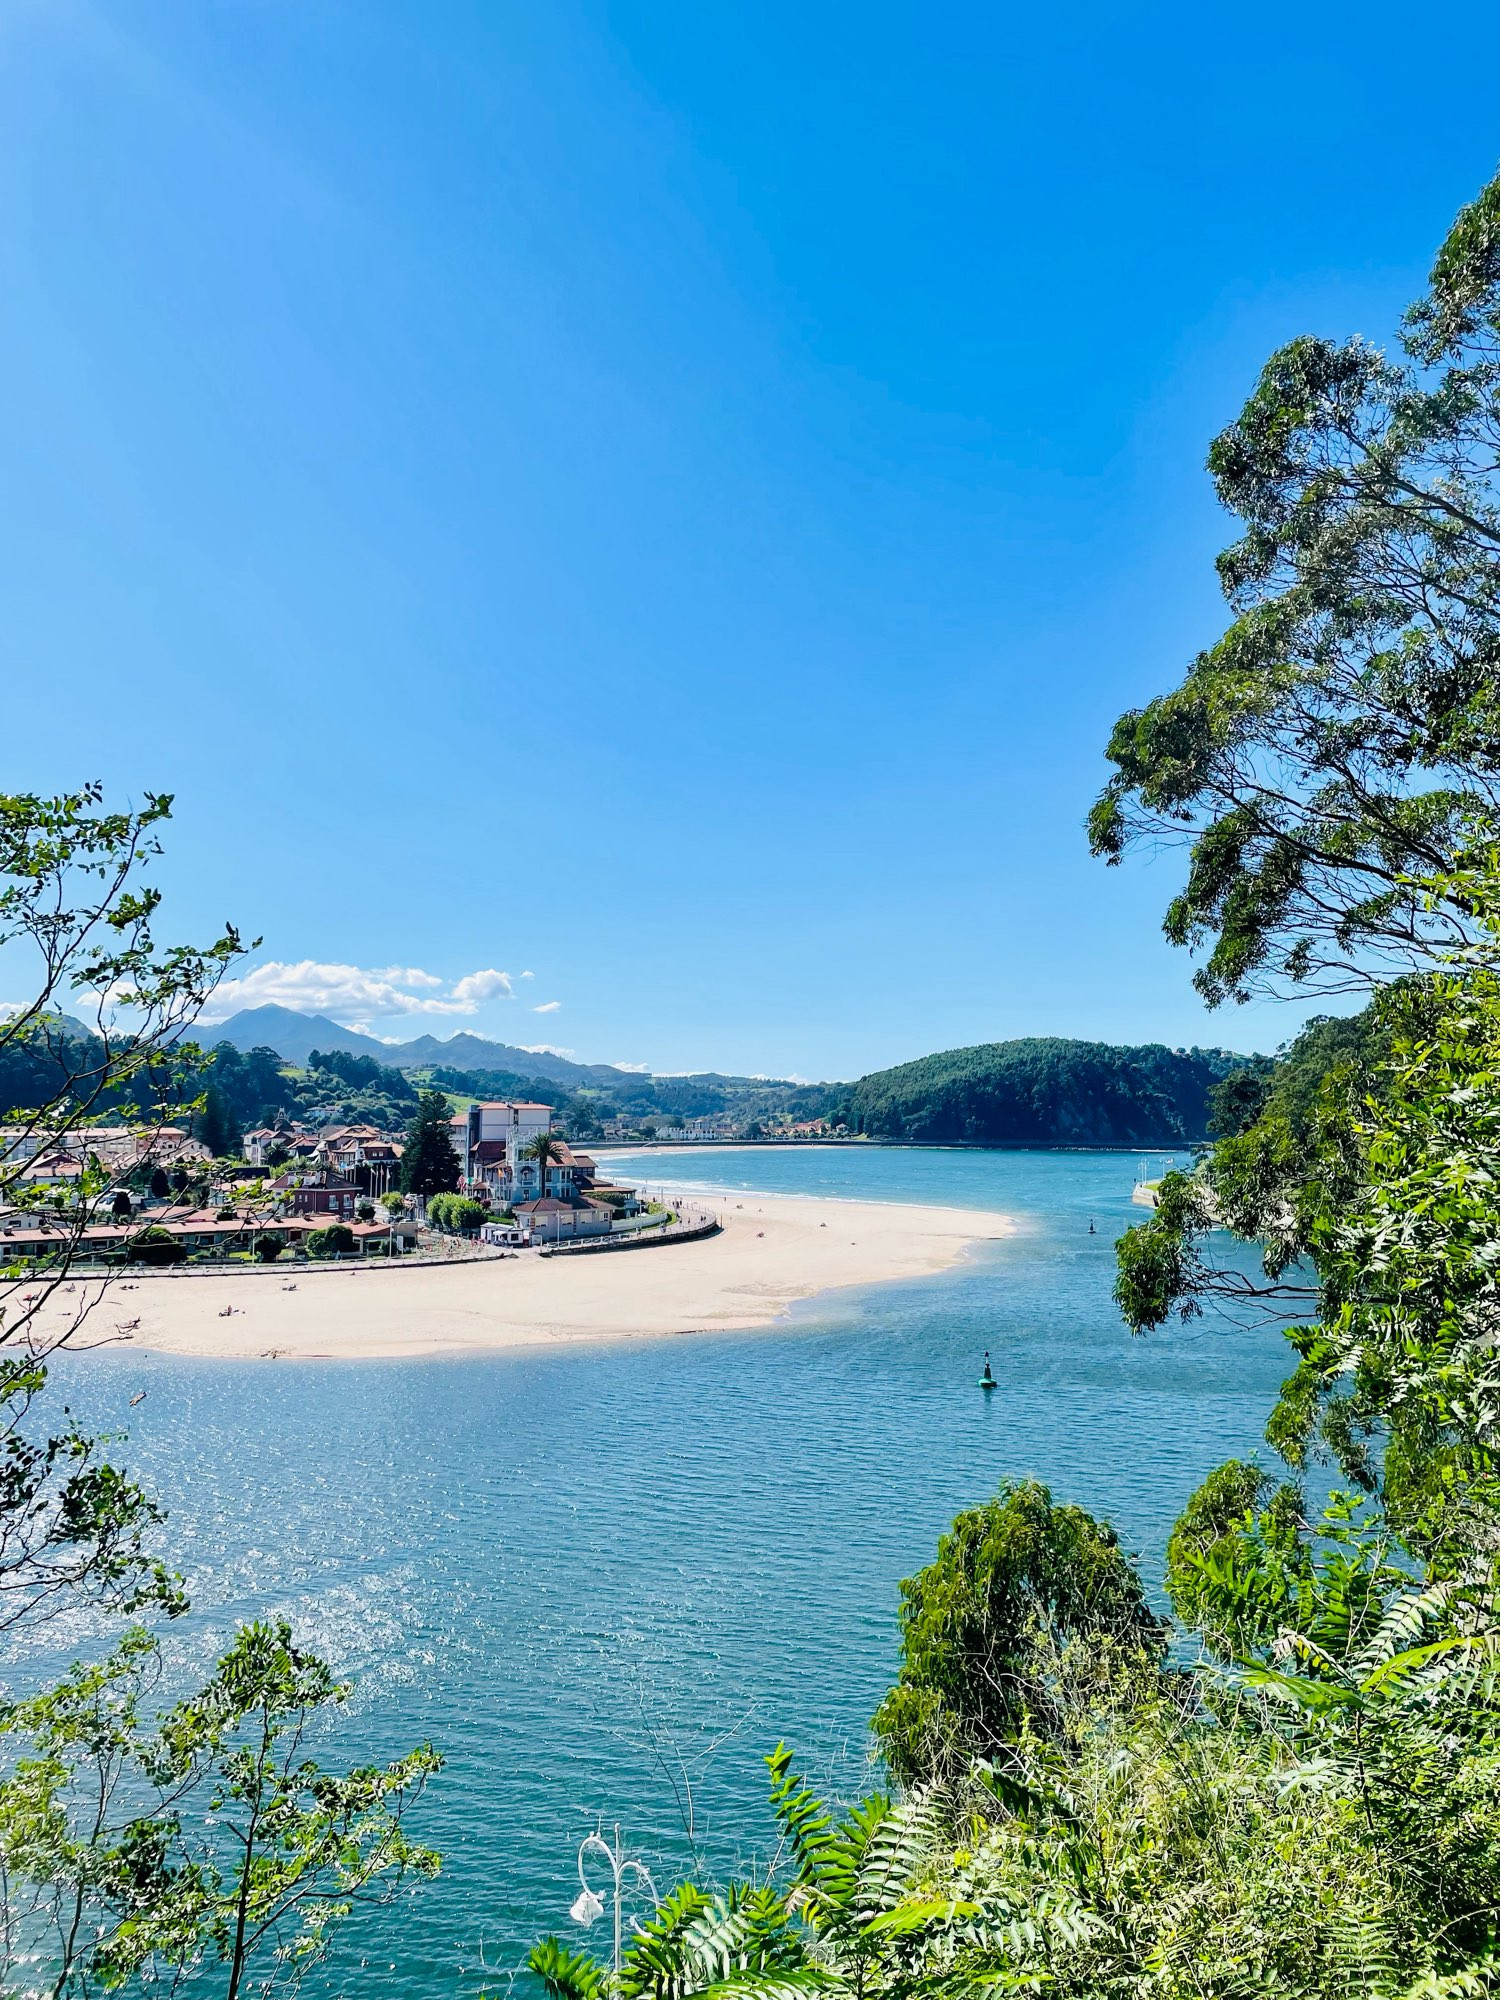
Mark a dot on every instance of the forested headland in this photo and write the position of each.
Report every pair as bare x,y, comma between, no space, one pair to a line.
1044,1091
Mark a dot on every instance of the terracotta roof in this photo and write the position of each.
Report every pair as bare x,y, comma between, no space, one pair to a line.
550,1205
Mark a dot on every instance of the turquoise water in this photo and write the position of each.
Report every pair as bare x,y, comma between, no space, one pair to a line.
599,1577
1043,1187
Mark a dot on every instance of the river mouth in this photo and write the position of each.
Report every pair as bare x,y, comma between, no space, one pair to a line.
592,1577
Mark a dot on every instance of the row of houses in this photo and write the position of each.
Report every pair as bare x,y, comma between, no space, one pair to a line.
197,1230
60,1160
624,1129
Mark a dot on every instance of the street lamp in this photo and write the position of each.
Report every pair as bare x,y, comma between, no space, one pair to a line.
589,1905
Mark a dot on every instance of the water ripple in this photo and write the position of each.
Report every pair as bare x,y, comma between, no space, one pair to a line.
600,1579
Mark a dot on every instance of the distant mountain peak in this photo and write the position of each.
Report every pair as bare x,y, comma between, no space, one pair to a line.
294,1036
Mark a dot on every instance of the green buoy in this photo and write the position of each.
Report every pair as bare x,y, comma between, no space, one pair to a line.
987,1379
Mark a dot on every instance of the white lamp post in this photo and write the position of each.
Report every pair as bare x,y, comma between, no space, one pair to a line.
589,1905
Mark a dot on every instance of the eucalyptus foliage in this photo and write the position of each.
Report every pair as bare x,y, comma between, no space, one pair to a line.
1013,1581
1374,1207
1343,736
78,903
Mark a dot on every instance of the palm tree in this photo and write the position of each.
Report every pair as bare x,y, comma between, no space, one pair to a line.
544,1149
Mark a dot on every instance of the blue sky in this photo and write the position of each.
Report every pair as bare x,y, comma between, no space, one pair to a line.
668,498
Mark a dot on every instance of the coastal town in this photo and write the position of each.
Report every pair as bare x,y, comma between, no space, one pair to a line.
120,1194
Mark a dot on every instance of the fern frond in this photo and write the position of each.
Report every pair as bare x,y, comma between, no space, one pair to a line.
1406,1617
797,1983
1400,1671
565,1974
805,1822
898,1847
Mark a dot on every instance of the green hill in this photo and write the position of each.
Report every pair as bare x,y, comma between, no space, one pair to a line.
1043,1091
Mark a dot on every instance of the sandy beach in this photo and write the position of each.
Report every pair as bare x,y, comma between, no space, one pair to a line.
774,1250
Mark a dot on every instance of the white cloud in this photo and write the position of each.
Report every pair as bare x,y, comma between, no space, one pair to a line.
547,1007
413,975
352,994
481,986
528,975
635,1069
547,1049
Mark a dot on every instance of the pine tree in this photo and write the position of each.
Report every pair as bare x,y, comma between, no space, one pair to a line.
429,1164
216,1125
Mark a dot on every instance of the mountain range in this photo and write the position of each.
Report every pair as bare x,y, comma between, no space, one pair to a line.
294,1036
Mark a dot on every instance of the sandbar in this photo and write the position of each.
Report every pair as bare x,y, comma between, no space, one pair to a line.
773,1251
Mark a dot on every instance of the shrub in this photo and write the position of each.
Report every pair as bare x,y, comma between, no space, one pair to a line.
269,1246
456,1213
1014,1581
155,1246
333,1241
